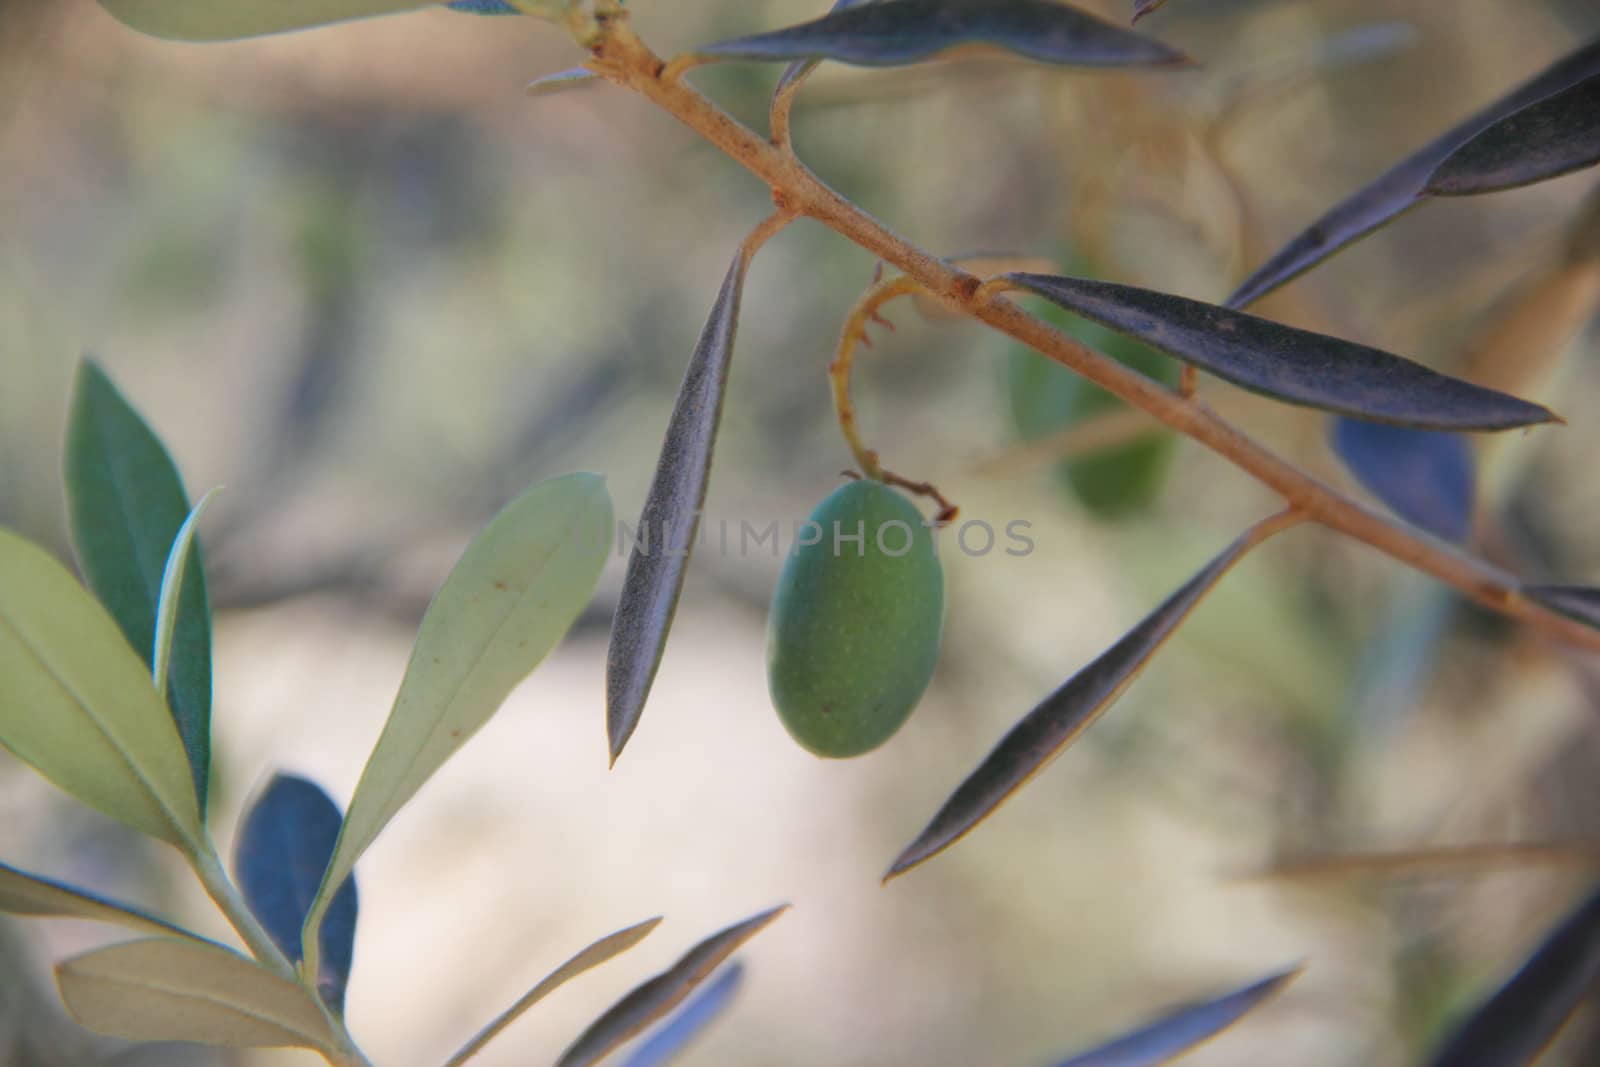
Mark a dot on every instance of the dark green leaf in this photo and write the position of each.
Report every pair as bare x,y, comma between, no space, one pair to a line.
1514,1025
1178,1031
1048,729
1426,478
1556,136
896,32
1401,188
655,998
284,844
1292,365
483,7
22,893
664,1046
126,505
671,516
1581,602
603,950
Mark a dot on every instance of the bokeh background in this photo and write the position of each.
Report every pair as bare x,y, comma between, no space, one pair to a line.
360,279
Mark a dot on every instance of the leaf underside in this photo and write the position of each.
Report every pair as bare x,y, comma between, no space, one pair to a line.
1061,718
655,998
1401,187
703,1009
1173,1034
1288,364
224,20
1525,1014
517,589
666,532
896,32
1558,135
1425,477
161,989
22,893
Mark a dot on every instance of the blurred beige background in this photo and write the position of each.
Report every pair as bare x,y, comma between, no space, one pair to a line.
357,277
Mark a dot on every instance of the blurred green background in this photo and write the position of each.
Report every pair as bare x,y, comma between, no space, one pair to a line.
360,279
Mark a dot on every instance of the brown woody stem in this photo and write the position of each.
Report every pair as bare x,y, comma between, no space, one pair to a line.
621,57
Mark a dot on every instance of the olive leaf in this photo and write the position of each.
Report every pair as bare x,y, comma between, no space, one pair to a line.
77,704
1556,136
607,948
1580,602
127,507
655,998
663,1046
801,69
22,893
162,989
1524,1014
1061,718
169,603
1182,1029
222,20
483,7
562,80
1141,8
671,516
514,593
1295,366
284,843
891,33
1426,478
1402,187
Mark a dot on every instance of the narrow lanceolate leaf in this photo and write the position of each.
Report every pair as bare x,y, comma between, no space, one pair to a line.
77,705
162,989
1556,136
1515,1024
1048,729
550,84
22,893
800,69
515,592
284,844
895,32
1581,602
126,505
1295,366
1402,186
1426,478
169,605
667,1043
1182,1029
1141,8
483,7
222,20
661,994
671,517
607,948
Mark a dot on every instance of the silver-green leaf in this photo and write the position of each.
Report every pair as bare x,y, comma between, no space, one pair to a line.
516,591
77,704
162,989
223,20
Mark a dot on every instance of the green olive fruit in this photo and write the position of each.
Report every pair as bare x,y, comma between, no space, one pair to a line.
854,630
1047,397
